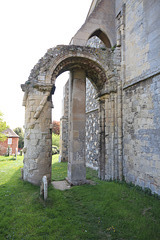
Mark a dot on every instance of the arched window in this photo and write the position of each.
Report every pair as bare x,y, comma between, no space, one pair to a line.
102,42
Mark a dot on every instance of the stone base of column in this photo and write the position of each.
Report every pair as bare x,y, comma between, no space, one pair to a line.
76,183
36,171
76,174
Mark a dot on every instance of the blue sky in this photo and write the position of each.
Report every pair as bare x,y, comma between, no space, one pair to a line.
28,29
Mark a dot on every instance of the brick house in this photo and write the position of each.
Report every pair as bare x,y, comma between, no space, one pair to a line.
11,143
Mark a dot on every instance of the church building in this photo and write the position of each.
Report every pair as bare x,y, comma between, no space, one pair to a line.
111,119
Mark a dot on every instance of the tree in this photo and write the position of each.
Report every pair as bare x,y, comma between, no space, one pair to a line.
20,133
3,127
56,127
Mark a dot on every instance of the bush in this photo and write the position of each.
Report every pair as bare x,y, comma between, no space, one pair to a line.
55,139
56,127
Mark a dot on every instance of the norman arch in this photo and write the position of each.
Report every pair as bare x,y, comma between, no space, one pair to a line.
92,70
82,62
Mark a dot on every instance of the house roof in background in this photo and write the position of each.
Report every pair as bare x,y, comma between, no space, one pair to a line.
10,133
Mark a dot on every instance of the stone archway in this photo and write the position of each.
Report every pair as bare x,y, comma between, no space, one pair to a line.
97,65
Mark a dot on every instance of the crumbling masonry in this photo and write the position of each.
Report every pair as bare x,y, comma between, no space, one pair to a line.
112,111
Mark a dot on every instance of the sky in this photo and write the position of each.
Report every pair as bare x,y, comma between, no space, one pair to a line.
28,28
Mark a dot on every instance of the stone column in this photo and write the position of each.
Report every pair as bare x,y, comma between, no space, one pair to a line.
101,139
76,161
38,136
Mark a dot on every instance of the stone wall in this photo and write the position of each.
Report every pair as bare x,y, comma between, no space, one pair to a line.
142,37
92,125
142,134
95,42
38,136
92,130
141,91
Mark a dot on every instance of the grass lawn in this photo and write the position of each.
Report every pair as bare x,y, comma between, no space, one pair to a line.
104,211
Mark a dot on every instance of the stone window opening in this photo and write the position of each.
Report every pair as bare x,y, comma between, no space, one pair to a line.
103,42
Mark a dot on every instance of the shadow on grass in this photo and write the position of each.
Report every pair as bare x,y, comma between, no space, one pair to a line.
4,159
18,201
104,211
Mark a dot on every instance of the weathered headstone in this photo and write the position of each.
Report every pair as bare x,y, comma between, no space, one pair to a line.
44,188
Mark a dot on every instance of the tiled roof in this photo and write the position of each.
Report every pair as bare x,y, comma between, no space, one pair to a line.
10,133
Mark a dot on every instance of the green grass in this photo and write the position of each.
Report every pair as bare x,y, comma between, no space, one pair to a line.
106,210
59,170
55,139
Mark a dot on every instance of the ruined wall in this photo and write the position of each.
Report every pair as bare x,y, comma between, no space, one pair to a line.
37,139
103,18
95,42
92,125
141,102
130,100
92,128
64,125
122,128
142,134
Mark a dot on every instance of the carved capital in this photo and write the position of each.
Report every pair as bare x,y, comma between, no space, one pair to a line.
43,87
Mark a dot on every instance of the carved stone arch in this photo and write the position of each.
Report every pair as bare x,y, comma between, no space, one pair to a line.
94,63
102,36
88,59
94,72
97,63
